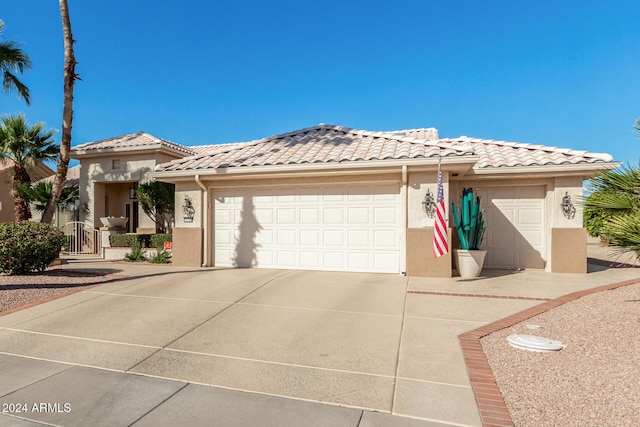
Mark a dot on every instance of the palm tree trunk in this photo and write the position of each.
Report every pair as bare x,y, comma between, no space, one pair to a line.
67,114
20,205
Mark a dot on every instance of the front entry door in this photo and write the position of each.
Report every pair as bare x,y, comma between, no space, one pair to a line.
131,212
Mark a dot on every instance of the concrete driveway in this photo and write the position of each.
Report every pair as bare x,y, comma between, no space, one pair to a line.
374,342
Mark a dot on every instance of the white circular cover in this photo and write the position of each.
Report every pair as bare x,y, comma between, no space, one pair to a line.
534,343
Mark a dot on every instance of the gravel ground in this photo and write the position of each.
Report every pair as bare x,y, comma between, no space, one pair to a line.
16,291
594,381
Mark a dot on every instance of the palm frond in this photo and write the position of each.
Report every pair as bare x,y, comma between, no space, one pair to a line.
623,232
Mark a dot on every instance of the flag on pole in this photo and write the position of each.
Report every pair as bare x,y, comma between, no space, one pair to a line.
440,244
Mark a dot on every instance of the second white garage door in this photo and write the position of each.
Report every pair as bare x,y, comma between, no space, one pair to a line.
515,235
354,228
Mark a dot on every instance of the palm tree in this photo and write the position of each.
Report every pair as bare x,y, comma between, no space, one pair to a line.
13,60
24,144
70,77
615,202
39,194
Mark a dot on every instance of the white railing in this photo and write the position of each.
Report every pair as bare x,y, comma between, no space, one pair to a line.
81,238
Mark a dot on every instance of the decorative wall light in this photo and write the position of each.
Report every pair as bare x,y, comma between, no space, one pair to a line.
429,204
187,209
568,209
133,191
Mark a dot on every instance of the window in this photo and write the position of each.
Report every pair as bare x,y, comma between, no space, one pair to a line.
115,164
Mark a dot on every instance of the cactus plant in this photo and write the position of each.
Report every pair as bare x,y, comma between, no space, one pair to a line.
469,221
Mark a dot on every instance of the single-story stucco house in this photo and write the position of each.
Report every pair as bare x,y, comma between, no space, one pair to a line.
335,198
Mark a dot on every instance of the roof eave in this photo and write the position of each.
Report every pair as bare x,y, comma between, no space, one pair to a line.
579,169
104,152
453,164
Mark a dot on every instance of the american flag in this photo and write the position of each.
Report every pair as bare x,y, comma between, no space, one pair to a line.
440,245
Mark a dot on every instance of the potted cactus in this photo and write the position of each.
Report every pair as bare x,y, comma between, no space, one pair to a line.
470,225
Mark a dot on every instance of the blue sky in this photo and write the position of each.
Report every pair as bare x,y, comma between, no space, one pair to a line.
560,73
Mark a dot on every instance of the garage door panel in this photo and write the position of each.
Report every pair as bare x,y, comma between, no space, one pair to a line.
285,216
358,261
359,215
352,228
260,199
386,215
309,215
265,238
333,215
515,227
333,260
285,237
385,238
224,216
385,262
285,199
224,236
310,259
530,216
286,258
309,237
530,195
333,238
264,257
339,197
530,238
264,216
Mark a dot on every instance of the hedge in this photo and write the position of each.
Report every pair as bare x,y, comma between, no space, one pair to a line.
28,247
144,240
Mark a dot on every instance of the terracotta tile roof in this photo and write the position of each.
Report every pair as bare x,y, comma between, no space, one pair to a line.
503,154
318,144
216,148
73,176
327,144
132,140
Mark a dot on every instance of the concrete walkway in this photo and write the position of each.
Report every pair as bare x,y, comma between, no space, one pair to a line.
167,346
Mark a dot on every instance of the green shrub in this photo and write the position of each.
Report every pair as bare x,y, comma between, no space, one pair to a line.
27,247
157,240
137,253
161,257
144,240
129,240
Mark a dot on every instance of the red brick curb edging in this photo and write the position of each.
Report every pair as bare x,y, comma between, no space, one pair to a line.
459,294
493,410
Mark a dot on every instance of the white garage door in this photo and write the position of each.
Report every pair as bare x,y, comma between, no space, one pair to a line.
515,236
354,228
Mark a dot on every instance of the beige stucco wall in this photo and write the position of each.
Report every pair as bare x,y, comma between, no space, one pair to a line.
420,259
573,187
569,250
98,171
187,246
6,200
195,194
419,183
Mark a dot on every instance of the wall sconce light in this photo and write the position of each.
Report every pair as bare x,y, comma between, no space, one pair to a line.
568,209
429,205
133,191
187,209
